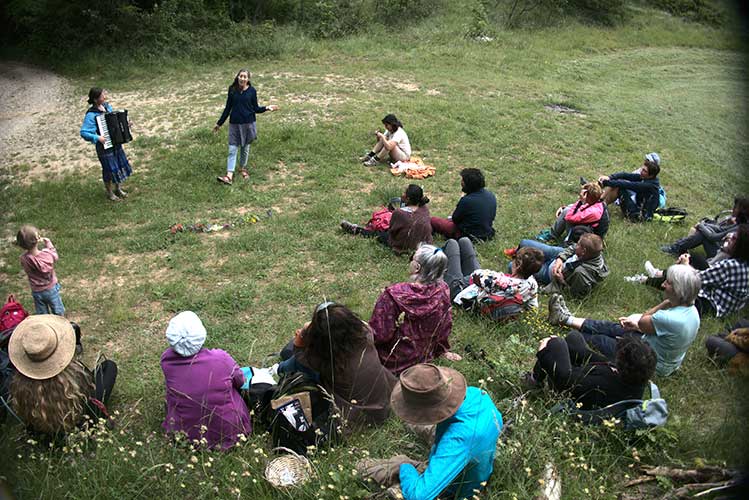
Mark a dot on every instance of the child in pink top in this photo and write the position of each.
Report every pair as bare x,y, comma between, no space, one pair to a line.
40,269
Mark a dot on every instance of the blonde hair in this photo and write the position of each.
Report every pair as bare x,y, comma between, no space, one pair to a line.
594,192
56,404
27,237
592,243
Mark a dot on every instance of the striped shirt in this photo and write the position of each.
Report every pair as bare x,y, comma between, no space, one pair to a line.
726,285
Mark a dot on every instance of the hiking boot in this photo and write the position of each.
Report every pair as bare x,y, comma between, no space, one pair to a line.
671,250
371,162
349,227
558,312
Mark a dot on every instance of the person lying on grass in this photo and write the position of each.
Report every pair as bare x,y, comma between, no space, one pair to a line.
465,437
412,320
474,214
409,224
203,397
336,349
576,269
392,145
670,327
709,233
588,211
725,277
498,295
638,193
591,379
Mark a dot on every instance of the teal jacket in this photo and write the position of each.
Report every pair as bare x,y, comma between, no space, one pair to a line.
462,457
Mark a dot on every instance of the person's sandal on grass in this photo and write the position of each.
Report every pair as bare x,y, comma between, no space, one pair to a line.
224,179
245,173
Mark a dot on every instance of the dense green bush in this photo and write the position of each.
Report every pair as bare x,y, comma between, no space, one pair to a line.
701,11
521,12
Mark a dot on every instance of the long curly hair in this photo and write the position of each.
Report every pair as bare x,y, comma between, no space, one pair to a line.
56,404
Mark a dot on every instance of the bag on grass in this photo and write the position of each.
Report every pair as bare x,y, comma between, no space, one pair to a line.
671,215
633,413
301,415
380,220
11,313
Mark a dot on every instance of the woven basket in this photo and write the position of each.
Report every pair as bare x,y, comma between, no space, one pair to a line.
288,471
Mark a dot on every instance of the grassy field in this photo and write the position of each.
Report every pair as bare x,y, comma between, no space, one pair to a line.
655,84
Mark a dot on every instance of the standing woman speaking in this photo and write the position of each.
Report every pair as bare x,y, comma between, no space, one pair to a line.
241,107
114,165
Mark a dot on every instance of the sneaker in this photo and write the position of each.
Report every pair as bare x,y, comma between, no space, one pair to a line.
558,312
545,235
651,270
273,370
510,252
371,162
366,157
670,249
637,278
120,193
349,227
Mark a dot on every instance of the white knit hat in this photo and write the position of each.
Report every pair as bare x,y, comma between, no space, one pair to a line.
186,333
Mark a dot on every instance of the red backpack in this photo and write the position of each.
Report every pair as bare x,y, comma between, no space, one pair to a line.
380,220
11,314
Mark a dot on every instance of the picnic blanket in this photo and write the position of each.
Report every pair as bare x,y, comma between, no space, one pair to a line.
412,169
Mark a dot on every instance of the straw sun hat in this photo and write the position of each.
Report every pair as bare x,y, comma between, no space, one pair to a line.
42,346
428,394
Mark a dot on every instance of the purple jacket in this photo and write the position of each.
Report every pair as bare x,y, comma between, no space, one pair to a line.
204,390
411,323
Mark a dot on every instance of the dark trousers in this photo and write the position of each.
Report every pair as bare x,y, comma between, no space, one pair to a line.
381,236
556,360
602,336
693,241
289,363
105,375
722,350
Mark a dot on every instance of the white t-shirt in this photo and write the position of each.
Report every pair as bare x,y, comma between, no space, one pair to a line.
401,139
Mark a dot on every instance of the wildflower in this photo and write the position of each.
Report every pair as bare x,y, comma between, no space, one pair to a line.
528,471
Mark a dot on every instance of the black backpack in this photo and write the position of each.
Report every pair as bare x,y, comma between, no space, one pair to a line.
287,424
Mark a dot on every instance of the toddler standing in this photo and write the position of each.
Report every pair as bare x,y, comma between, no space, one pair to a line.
40,268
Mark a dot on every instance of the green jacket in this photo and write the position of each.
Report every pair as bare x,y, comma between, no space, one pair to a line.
581,280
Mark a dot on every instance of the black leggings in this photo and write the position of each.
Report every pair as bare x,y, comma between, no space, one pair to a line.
105,375
560,355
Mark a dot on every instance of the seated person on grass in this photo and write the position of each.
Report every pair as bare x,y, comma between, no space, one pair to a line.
710,232
474,214
731,348
576,269
336,349
498,295
391,146
203,397
638,193
588,211
725,281
669,328
468,424
409,224
412,321
590,378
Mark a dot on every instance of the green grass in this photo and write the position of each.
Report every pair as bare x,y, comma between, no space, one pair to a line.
653,84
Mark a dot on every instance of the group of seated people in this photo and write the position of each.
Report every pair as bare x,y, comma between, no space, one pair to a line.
386,363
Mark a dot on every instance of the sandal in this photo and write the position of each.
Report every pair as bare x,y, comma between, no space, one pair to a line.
225,179
245,173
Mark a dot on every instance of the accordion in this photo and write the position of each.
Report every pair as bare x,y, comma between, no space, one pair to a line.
114,128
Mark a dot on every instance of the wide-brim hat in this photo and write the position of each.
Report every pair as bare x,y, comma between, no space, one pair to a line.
427,394
42,346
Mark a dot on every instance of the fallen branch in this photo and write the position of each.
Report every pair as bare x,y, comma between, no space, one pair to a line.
686,490
697,475
639,480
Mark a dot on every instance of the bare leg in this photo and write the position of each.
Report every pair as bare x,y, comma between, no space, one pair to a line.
610,195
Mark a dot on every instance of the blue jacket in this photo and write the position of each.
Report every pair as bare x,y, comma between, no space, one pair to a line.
646,191
242,106
89,129
474,214
463,453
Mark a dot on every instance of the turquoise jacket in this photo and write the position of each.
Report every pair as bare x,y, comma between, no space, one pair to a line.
89,129
462,457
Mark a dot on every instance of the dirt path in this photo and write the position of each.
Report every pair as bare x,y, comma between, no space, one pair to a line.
39,120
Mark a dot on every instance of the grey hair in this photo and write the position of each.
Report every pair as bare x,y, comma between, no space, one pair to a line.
685,282
432,263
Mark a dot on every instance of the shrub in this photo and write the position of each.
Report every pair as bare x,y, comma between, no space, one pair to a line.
517,12
701,11
479,24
